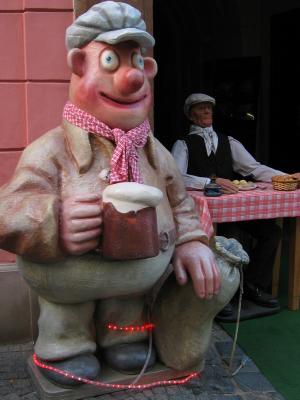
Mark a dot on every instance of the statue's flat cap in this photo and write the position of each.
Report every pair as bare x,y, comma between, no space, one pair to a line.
110,22
196,98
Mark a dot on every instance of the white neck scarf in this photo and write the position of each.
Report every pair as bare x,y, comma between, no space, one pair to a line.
208,134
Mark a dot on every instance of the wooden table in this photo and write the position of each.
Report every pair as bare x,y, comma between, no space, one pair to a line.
258,204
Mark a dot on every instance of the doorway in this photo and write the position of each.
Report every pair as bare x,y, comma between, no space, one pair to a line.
202,47
284,91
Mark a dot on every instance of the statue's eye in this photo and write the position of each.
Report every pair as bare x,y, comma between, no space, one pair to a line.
109,60
138,61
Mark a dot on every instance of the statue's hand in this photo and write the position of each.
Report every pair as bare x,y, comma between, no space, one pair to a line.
197,260
80,223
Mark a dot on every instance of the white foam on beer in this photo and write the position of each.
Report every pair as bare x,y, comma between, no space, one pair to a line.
131,196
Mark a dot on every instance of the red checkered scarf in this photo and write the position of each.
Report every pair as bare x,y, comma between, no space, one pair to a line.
124,161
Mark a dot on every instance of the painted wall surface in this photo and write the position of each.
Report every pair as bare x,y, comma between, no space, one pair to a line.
34,76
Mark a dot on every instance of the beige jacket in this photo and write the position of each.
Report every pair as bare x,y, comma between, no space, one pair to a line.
66,161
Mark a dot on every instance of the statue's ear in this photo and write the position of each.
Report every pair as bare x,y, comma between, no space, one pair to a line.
76,61
150,67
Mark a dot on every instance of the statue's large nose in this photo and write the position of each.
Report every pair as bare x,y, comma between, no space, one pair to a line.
129,80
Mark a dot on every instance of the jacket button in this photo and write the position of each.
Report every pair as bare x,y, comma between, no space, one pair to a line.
104,174
164,241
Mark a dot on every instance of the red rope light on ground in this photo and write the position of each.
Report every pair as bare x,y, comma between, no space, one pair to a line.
103,385
131,328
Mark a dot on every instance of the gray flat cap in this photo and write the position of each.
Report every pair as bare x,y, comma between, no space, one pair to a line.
196,98
110,22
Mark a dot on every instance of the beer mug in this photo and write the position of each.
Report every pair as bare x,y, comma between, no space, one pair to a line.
129,221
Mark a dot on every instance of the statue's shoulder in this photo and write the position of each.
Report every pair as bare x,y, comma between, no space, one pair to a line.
161,150
49,144
49,139
164,160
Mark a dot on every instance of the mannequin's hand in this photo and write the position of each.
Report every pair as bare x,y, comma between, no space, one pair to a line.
80,223
196,260
227,186
296,175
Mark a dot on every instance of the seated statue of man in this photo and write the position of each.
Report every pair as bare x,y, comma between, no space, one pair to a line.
205,152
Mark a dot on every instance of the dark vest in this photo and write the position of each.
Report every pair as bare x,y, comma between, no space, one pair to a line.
219,164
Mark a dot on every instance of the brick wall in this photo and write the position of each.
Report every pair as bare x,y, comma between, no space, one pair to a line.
34,76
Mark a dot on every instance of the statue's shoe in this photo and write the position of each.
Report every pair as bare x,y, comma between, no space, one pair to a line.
84,366
129,358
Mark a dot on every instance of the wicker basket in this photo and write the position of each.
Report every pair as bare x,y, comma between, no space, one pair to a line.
284,182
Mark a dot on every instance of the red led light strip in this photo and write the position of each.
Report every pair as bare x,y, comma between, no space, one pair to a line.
40,364
131,328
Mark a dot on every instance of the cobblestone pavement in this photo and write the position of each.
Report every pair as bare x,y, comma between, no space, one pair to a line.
215,383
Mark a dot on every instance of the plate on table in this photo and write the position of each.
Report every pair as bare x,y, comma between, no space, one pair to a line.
244,185
262,186
248,186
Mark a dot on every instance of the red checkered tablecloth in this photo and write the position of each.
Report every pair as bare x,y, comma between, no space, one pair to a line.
246,205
